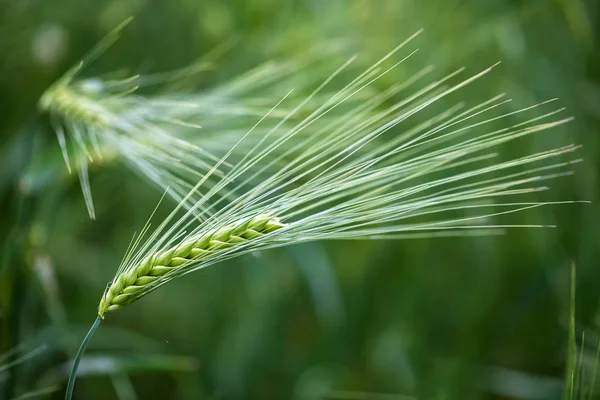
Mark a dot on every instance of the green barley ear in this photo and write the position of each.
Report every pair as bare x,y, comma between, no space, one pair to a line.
377,170
138,279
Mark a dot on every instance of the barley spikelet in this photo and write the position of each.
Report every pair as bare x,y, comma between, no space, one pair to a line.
129,286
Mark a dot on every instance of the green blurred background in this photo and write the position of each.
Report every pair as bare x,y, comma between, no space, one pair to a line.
451,318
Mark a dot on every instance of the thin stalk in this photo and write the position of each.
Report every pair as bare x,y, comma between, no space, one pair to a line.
80,352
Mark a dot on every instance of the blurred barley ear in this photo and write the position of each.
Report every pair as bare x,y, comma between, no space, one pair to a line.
171,138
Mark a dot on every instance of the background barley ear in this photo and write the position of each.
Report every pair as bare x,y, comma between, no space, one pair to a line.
166,127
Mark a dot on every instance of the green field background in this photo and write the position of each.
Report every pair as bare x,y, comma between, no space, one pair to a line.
444,318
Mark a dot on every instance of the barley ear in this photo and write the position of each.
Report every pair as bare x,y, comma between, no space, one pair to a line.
137,280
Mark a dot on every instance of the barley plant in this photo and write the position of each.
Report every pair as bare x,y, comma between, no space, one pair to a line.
170,138
390,213
377,170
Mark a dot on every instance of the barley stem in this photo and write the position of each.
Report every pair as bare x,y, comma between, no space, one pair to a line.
77,360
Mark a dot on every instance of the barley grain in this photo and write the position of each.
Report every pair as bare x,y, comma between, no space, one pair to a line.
129,286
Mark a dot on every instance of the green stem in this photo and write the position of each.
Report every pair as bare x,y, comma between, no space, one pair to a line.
80,352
